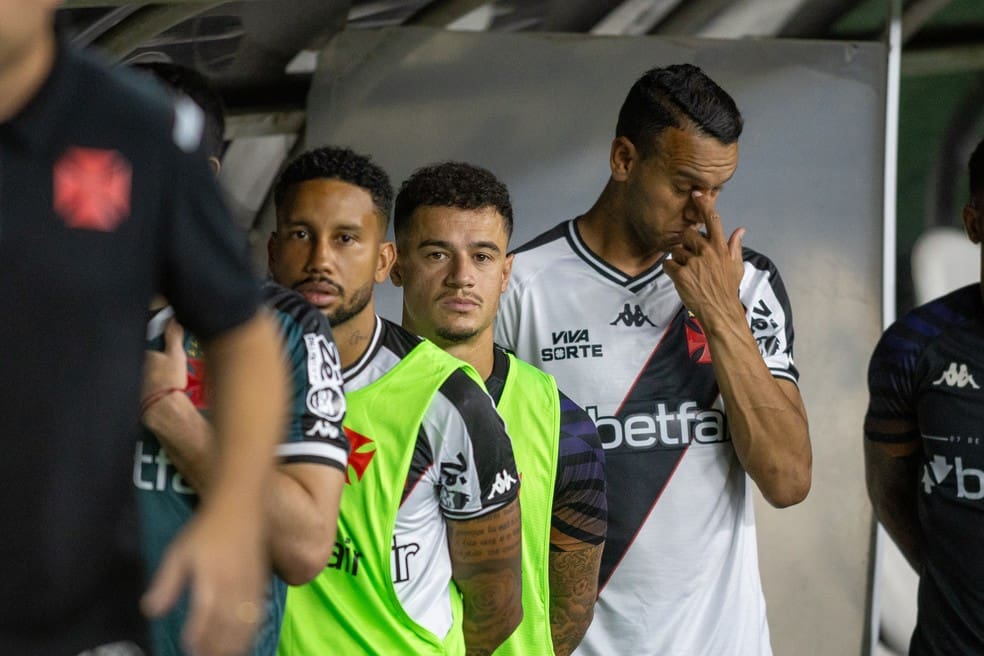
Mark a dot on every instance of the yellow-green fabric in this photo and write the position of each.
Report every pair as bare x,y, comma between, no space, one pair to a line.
530,407
351,607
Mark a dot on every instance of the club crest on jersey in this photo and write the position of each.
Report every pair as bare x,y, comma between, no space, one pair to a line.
196,387
632,317
362,449
92,188
697,346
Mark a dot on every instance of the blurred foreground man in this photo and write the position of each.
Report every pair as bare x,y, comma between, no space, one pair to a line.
658,329
105,198
427,557
173,461
453,223
924,451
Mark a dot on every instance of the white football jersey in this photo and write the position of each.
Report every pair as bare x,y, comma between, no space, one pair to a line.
680,568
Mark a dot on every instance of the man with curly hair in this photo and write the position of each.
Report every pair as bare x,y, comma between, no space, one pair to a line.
453,221
427,555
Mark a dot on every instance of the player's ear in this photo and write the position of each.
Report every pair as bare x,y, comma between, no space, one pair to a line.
506,272
396,275
622,157
385,261
972,219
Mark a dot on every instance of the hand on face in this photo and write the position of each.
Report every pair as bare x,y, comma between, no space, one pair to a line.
706,269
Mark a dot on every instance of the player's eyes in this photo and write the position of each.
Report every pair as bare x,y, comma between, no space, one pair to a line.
298,234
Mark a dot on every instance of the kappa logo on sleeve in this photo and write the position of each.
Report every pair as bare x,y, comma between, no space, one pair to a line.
503,483
92,188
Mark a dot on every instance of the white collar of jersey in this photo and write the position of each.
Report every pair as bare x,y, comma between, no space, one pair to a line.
634,283
356,368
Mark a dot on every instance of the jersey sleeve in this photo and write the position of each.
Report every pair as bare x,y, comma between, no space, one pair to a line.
580,504
891,398
769,314
205,267
314,433
476,469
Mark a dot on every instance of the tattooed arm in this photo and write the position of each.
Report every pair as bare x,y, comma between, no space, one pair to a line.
485,564
573,589
578,527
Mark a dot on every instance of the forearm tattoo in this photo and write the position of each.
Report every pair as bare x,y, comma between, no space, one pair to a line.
573,591
486,554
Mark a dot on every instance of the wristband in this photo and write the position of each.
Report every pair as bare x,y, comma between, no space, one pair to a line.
155,397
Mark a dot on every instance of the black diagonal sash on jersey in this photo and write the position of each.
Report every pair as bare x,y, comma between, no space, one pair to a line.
677,371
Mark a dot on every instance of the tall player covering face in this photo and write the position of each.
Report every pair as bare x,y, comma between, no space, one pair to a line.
659,323
453,223
427,559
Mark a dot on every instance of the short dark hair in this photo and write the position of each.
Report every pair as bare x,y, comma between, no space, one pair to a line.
976,169
671,97
343,164
194,85
451,184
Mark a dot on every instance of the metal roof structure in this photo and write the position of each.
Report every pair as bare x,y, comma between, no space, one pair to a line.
255,50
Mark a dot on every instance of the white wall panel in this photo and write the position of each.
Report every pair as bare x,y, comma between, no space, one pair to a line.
540,110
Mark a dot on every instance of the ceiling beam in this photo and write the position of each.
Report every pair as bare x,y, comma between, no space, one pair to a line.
264,124
442,13
79,4
815,19
752,18
125,37
634,17
689,18
943,61
917,14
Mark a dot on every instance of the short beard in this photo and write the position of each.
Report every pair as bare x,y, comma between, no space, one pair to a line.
360,299
456,336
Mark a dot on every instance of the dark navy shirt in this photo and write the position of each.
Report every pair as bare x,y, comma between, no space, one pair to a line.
580,505
105,198
927,372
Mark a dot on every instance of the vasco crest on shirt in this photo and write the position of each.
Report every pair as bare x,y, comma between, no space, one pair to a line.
92,188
